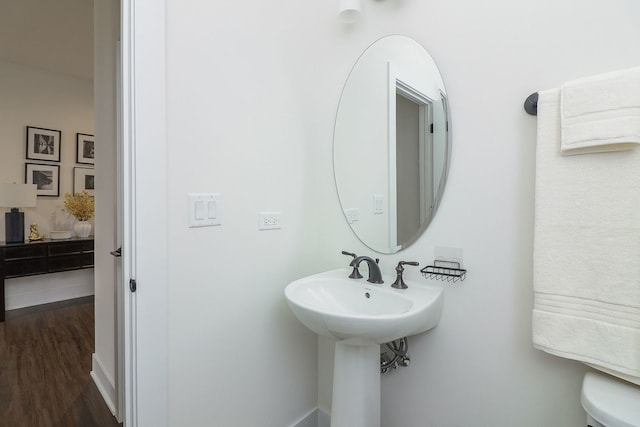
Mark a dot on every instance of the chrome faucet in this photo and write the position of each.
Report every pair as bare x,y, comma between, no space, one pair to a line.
375,276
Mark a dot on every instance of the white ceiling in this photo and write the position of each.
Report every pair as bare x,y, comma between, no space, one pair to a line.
56,35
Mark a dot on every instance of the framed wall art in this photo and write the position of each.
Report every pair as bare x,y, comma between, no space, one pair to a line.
43,144
84,180
85,149
46,178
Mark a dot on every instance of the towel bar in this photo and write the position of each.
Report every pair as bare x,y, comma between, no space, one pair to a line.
531,104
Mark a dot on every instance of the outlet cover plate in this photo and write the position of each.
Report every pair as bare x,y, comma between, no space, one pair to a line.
270,221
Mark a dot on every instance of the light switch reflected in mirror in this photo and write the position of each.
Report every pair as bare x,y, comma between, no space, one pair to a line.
392,143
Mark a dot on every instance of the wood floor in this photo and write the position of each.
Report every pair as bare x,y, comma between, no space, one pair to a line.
45,360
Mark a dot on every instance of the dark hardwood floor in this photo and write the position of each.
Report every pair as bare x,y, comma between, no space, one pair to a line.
45,360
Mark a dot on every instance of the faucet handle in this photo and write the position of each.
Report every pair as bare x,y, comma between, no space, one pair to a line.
399,283
414,263
355,274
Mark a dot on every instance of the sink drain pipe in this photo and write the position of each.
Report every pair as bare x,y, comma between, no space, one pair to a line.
397,354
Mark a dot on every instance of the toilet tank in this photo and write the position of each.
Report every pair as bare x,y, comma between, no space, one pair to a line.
610,402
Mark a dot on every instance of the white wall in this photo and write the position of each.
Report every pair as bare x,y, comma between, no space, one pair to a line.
478,366
36,97
237,108
252,93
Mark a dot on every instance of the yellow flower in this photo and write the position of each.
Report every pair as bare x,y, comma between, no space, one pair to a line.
80,205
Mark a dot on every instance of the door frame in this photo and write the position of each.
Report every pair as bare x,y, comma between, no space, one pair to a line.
143,332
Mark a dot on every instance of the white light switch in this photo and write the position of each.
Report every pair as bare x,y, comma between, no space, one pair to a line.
378,204
212,210
205,209
199,209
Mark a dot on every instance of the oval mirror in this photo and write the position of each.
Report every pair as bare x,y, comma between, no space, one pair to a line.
392,144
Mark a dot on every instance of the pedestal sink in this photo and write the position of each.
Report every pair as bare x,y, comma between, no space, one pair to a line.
360,316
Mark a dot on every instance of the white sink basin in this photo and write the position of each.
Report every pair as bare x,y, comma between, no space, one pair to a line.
361,316
332,305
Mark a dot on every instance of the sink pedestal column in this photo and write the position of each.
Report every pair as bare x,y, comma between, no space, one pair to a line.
356,385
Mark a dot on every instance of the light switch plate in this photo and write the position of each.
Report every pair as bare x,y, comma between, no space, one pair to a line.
205,209
378,204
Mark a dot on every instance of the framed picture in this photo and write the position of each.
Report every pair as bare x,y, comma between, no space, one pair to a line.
46,178
43,144
85,149
83,180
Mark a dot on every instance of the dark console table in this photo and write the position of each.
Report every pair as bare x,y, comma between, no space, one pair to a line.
42,257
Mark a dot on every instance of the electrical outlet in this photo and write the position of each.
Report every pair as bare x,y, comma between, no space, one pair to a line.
269,221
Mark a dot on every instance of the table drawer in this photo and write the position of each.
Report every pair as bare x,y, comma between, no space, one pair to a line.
22,252
25,267
70,248
70,262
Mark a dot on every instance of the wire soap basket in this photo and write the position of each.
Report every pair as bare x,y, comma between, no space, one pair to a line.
444,270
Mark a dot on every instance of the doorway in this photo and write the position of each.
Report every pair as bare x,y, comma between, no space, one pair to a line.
63,62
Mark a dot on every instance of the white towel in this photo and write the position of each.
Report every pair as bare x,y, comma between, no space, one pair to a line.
586,251
601,113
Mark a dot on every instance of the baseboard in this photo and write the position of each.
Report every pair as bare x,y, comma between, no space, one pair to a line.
315,418
104,383
324,420
46,288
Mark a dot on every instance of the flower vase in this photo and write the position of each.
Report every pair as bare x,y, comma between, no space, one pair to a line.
82,229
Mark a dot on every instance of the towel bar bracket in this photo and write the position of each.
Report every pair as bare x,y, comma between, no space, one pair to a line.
531,104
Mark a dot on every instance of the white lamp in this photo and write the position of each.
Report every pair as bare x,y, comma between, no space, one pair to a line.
349,10
16,196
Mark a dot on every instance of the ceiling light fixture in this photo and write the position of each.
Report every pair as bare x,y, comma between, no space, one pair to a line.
349,10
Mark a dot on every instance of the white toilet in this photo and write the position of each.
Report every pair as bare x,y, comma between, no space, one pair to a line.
610,402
